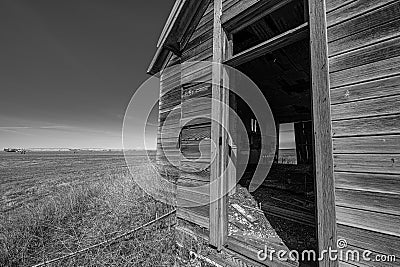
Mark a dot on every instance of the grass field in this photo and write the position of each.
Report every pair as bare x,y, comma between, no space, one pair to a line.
53,204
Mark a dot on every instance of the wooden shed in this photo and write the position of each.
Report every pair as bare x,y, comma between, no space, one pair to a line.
330,71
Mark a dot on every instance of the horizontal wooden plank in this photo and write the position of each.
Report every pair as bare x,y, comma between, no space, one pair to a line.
195,104
334,4
192,119
296,216
201,177
354,8
198,188
377,88
193,195
187,182
196,91
193,51
257,12
370,54
202,75
197,215
196,133
172,106
200,115
370,21
169,118
371,201
364,30
368,220
190,67
367,126
239,7
374,163
270,45
195,170
382,243
196,147
203,30
207,16
205,56
368,72
199,40
202,157
171,94
170,72
166,112
228,3
173,85
366,108
381,183
367,144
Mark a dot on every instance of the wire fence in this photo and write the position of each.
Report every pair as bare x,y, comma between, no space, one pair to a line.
107,242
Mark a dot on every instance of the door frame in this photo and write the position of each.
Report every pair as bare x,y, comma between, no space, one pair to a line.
322,135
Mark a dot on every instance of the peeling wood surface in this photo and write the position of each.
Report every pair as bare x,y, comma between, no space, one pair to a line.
365,87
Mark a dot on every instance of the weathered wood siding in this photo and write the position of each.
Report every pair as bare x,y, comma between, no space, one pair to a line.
364,63
168,129
195,141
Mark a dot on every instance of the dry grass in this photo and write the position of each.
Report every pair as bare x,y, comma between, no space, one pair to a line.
76,216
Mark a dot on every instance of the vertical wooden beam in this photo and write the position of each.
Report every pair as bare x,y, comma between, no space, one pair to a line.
229,82
322,139
277,127
218,206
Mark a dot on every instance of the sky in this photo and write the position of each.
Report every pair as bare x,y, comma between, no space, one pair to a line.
68,69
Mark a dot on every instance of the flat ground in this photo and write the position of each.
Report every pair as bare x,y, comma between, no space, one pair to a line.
54,203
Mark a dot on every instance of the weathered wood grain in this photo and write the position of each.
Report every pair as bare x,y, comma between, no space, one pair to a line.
373,163
368,72
196,215
354,8
366,108
322,139
381,183
202,30
367,126
377,88
242,21
202,75
228,3
367,55
367,144
196,91
196,50
334,4
363,30
218,215
374,241
368,220
371,201
239,7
